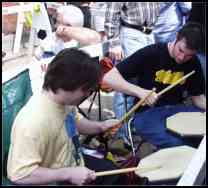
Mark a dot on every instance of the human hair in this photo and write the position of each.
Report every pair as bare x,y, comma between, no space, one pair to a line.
72,15
72,69
193,34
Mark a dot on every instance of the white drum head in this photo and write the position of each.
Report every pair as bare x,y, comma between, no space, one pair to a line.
187,123
166,164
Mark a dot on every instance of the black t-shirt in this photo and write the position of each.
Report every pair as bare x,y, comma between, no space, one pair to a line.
154,67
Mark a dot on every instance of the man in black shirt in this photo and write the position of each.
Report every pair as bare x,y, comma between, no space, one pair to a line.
158,66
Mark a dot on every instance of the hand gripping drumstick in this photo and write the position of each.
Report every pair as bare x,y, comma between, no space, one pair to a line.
126,170
135,107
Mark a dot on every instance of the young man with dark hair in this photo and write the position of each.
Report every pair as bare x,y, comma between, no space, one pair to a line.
159,66
43,149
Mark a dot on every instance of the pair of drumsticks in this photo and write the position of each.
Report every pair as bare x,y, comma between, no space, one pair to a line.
123,119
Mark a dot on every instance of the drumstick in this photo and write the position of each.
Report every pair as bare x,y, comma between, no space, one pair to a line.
126,170
126,115
135,107
160,93
176,83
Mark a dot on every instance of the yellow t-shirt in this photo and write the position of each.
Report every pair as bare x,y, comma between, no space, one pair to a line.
39,138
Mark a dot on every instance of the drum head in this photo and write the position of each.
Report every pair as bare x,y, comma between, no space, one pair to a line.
187,123
166,164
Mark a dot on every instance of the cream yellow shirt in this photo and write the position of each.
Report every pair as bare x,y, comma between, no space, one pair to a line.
39,138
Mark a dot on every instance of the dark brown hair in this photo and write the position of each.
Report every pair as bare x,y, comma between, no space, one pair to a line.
193,34
72,69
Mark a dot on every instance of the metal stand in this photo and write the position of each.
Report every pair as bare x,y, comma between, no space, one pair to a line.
90,107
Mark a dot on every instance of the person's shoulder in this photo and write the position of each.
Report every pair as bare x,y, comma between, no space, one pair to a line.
160,45
195,62
156,47
28,125
160,48
31,115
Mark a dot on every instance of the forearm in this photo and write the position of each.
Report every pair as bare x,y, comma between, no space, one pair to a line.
199,101
88,127
114,80
83,35
42,176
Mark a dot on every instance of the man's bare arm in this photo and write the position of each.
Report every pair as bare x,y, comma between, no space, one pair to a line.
44,176
81,34
115,80
88,127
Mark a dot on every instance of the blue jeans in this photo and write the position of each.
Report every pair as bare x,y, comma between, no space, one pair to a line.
151,125
120,109
131,41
